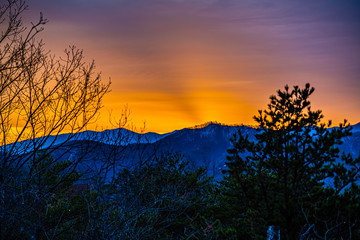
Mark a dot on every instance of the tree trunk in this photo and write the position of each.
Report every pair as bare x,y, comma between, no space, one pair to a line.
273,233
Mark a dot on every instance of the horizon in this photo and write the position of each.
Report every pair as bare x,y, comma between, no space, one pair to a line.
176,64
194,127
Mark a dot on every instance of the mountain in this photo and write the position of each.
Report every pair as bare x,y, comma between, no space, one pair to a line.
356,128
119,136
100,151
204,146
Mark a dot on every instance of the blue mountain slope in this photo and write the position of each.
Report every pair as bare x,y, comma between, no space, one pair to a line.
206,146
202,147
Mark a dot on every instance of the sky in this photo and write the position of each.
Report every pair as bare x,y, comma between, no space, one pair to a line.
179,63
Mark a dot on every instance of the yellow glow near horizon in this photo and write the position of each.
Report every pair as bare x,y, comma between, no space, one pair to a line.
177,64
165,112
162,113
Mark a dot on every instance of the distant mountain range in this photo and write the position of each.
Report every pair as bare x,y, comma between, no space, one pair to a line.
203,146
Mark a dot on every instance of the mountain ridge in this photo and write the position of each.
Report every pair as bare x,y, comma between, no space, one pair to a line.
203,147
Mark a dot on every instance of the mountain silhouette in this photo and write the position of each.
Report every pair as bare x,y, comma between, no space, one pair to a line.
203,146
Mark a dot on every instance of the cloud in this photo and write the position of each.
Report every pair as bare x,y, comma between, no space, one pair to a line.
178,47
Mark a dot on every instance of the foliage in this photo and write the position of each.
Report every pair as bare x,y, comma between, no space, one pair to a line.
40,97
161,200
291,176
40,203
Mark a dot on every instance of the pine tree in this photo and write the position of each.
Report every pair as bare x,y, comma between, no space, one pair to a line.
163,200
41,203
293,175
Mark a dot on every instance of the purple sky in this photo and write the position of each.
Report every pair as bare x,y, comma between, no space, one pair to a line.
178,63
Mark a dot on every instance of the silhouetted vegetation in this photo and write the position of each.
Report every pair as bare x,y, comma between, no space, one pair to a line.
293,176
214,122
40,98
164,200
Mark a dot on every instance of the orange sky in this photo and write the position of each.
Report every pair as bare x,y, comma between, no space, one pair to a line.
178,63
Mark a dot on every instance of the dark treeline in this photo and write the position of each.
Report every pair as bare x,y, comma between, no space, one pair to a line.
293,176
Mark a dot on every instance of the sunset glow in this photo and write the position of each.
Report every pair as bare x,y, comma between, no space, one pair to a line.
178,63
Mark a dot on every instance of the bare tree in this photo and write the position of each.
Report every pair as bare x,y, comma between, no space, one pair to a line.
40,97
